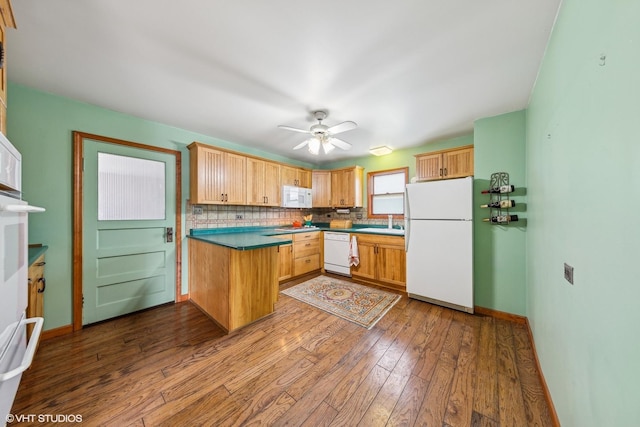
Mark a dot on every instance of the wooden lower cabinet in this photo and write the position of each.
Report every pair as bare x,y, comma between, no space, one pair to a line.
285,259
382,261
37,284
233,287
306,252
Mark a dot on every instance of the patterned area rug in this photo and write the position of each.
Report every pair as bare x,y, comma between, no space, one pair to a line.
359,304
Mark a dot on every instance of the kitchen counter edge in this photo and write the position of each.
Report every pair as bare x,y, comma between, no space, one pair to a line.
35,252
248,238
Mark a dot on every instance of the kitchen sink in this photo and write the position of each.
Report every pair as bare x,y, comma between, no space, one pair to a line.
297,229
395,231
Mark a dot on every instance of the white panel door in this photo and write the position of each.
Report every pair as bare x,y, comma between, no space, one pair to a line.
440,261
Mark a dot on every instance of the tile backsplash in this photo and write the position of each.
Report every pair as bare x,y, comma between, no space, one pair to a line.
219,216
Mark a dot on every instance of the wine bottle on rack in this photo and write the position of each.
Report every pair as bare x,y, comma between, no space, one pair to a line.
504,204
501,219
501,189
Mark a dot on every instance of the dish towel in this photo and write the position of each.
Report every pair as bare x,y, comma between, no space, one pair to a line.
354,256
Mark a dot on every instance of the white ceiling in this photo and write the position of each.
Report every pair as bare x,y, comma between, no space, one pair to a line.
408,72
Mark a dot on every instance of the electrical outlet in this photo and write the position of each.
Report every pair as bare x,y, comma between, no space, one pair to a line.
568,273
197,210
238,216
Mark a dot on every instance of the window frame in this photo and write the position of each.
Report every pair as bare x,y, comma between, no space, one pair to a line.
370,177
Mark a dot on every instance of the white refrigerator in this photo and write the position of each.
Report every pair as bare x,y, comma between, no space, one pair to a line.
439,242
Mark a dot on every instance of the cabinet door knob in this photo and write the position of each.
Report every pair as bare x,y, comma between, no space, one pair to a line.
44,285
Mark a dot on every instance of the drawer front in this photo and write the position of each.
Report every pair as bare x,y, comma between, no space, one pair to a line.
306,264
306,248
312,235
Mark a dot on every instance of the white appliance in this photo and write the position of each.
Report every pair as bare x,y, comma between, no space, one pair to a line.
296,197
15,355
336,253
439,242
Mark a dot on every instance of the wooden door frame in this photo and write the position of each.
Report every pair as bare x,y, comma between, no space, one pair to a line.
78,200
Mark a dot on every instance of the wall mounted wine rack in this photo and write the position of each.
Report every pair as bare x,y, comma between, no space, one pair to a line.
499,199
497,180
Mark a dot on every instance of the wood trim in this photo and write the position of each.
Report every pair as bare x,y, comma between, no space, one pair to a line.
547,395
78,177
525,321
445,150
178,232
370,176
78,165
500,315
56,332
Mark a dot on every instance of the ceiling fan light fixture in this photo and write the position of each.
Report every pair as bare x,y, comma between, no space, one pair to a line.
322,135
327,147
314,146
381,151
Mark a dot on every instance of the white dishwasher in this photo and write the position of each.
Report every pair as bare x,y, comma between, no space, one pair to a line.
336,253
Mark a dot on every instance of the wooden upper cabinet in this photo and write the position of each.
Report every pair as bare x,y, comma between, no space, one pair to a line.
346,187
263,183
445,164
304,178
298,177
6,15
216,176
458,163
321,189
429,166
234,179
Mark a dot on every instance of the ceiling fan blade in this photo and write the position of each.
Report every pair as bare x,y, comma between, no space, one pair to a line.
294,129
340,143
302,144
342,127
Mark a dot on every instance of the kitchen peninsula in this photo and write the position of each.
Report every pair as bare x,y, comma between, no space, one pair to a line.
234,273
233,277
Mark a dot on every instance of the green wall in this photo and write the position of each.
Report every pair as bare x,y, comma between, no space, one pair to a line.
40,125
500,251
583,177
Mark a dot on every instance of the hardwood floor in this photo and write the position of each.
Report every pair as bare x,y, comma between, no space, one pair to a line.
420,365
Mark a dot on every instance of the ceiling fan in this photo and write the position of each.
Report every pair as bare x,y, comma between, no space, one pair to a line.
322,135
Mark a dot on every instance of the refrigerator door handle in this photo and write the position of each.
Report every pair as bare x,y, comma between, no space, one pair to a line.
407,220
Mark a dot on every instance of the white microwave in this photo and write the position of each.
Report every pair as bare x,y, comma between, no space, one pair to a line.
296,197
10,168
